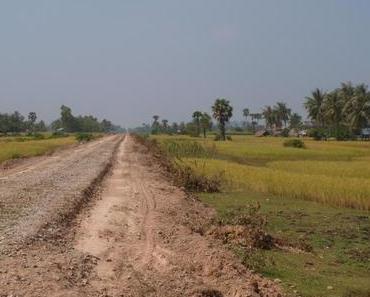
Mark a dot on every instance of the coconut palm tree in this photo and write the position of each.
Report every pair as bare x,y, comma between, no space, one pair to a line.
314,106
333,109
282,113
196,117
295,121
268,115
222,112
357,108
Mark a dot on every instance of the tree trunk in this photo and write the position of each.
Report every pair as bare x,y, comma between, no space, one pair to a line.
222,128
204,133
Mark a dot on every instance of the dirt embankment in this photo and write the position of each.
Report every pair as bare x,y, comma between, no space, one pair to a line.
139,239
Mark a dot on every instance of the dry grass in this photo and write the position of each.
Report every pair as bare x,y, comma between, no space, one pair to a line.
19,149
332,172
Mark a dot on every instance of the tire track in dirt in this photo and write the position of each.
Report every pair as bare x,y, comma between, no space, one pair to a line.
136,231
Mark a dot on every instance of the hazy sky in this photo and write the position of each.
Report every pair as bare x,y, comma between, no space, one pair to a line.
128,60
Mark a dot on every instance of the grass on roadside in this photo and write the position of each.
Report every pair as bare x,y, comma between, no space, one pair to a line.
20,149
316,201
339,264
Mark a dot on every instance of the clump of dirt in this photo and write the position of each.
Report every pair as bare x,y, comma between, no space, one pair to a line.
245,228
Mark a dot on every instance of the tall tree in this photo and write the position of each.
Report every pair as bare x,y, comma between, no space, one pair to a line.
205,123
155,124
222,112
357,108
295,121
333,109
268,115
32,119
282,113
246,113
165,125
314,107
68,121
197,115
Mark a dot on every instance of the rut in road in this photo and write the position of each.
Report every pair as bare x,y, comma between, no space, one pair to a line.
141,233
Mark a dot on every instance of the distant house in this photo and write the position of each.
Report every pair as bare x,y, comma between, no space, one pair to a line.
302,133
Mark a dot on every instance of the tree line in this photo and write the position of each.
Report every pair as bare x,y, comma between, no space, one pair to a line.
341,113
17,123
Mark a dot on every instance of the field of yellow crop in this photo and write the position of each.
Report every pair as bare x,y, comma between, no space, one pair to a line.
331,172
12,149
318,196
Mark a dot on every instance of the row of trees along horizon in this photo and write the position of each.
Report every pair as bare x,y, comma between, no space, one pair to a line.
341,113
16,123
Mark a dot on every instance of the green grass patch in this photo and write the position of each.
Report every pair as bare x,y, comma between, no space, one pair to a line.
340,256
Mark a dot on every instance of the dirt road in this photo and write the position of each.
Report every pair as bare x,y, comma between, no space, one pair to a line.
139,237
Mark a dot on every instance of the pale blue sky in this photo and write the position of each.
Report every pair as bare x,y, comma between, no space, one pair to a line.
128,60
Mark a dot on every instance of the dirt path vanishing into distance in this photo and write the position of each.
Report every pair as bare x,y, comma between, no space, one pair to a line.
138,235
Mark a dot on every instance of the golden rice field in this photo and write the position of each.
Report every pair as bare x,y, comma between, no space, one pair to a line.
10,148
332,172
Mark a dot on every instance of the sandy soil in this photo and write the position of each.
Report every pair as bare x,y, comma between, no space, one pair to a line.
139,237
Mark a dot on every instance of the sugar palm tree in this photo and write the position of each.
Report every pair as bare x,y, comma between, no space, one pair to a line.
165,125
246,113
314,106
155,125
222,112
196,117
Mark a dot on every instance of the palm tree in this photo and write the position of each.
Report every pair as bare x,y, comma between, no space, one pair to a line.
282,113
255,118
165,125
268,115
357,108
205,122
333,109
295,121
32,119
222,112
246,113
155,125
196,117
314,106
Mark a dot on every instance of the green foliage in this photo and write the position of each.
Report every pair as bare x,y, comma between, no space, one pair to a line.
285,132
318,133
347,106
297,143
84,137
222,112
340,255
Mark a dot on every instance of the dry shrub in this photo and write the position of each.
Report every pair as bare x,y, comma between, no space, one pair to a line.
247,229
